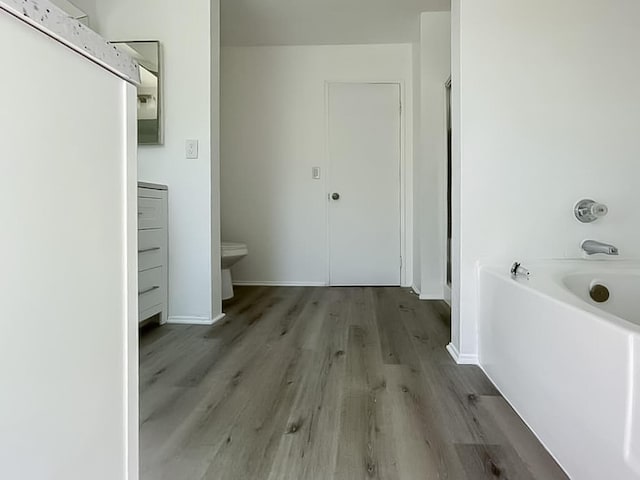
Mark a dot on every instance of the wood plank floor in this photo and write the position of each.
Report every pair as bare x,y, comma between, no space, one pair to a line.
325,383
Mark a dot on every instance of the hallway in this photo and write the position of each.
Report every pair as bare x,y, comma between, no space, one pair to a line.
322,383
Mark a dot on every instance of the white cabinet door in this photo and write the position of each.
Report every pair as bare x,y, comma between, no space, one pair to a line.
364,184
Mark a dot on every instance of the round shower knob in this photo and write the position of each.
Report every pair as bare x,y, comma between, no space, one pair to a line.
588,211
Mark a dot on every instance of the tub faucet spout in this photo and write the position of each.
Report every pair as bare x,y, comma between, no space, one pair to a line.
592,247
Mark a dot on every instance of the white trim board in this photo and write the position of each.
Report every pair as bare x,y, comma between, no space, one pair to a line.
207,321
431,296
132,326
461,359
444,211
242,283
447,294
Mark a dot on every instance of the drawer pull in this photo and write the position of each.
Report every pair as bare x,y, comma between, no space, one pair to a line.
147,250
149,290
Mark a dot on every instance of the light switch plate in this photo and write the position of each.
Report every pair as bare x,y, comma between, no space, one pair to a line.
315,173
191,149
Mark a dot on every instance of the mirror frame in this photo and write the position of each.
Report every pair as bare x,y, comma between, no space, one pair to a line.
160,100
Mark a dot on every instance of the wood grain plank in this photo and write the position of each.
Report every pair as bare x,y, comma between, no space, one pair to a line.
491,462
418,441
322,383
310,443
513,431
359,415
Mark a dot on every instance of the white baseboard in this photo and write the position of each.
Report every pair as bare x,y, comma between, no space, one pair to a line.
207,321
431,296
461,359
241,283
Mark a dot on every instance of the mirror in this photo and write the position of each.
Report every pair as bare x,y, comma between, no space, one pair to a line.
147,53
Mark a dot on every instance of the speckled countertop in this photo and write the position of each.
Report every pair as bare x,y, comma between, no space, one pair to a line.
48,18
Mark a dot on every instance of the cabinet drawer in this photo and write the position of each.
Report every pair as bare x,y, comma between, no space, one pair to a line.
150,288
151,249
151,213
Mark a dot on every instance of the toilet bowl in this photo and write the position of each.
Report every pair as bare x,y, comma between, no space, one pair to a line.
231,253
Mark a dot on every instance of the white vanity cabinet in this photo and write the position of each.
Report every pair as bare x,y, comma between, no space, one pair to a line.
152,251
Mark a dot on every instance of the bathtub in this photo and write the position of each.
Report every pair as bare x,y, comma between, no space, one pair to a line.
569,366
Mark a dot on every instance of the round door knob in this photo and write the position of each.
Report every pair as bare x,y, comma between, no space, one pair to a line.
335,196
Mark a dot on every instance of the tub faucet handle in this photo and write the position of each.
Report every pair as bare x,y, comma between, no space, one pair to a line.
587,211
517,270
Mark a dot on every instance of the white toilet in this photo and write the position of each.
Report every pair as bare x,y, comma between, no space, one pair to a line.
231,254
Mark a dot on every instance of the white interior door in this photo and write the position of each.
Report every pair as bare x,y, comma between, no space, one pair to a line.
364,184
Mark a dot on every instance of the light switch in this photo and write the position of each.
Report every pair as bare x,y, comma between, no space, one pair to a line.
191,149
315,173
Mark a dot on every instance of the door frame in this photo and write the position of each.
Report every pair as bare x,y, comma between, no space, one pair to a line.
448,248
405,176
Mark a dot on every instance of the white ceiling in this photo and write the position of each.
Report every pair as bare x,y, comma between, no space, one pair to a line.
323,22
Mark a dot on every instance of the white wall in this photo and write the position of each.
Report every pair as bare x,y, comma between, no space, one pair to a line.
189,42
549,112
431,154
68,348
273,133
216,273
328,22
417,161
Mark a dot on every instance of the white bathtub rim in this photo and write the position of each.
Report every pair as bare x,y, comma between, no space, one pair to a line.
595,276
563,296
560,293
571,301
